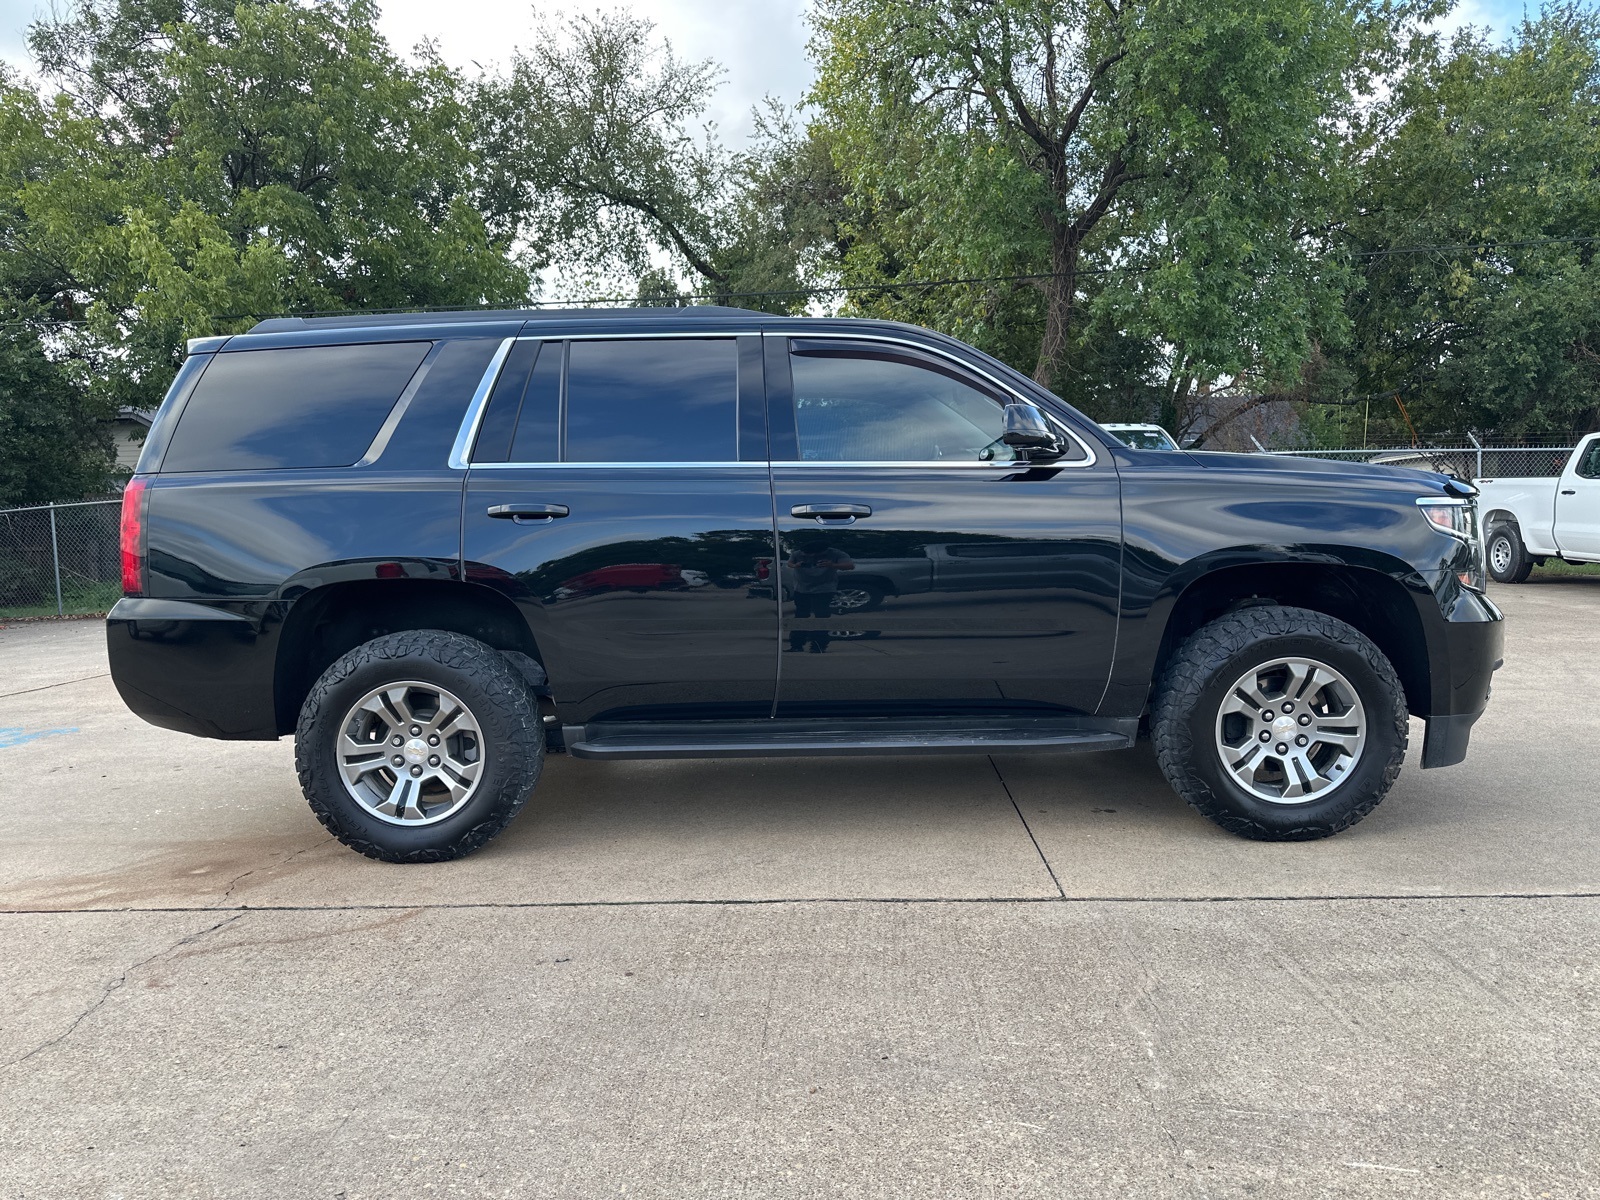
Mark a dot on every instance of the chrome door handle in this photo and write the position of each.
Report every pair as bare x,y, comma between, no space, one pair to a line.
831,514
528,512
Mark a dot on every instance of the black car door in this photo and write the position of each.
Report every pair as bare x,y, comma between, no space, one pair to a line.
618,493
922,568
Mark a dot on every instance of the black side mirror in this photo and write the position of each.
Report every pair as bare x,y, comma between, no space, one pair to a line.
1027,430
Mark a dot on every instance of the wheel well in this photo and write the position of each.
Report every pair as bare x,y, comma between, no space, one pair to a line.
876,583
1497,517
330,621
1373,602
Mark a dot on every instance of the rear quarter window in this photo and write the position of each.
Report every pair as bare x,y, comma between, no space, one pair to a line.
305,406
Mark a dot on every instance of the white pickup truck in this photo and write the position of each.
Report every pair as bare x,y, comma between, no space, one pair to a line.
1526,521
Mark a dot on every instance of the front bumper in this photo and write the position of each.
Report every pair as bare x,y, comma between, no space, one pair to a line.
1465,650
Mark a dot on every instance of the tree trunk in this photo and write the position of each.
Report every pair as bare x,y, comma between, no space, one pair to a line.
1061,296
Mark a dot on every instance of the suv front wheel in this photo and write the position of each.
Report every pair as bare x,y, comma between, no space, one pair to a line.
419,746
1280,724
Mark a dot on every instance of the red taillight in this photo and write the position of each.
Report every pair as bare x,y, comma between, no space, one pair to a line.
133,537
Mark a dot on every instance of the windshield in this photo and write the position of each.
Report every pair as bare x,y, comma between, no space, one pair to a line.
1145,439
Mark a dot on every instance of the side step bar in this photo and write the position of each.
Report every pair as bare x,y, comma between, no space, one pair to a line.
817,738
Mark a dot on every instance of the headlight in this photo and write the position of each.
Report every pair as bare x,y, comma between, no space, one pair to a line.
1459,518
1453,516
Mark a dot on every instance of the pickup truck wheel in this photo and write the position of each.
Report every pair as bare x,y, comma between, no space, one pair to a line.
1508,557
854,598
1280,724
419,746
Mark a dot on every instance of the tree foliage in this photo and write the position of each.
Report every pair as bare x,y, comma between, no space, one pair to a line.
1491,150
1161,170
1202,211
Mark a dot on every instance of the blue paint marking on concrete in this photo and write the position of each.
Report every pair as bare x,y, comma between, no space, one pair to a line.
16,735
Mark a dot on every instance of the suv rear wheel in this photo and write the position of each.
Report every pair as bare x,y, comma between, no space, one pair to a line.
419,746
1280,724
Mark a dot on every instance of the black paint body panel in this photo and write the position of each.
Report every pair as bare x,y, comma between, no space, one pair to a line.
643,597
1021,609
661,596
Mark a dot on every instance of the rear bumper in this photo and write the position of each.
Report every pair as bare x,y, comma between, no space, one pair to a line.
195,668
1470,649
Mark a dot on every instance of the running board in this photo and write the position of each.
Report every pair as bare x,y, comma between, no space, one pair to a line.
817,738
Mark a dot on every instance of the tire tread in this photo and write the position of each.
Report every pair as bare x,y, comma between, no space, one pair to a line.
511,720
1191,670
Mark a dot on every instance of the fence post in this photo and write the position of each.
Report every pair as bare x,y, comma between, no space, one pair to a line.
55,555
1479,474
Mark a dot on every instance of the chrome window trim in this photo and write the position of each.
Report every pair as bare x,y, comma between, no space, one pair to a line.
1089,459
468,433
760,466
380,441
612,466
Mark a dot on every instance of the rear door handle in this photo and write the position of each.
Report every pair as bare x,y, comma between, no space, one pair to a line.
528,512
831,514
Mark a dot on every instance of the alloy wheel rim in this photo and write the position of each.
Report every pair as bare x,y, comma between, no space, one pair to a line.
410,753
850,599
1291,730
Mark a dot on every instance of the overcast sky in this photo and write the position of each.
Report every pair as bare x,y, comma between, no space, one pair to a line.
760,43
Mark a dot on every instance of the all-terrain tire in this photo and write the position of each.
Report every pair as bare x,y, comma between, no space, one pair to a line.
1506,549
499,699
1196,682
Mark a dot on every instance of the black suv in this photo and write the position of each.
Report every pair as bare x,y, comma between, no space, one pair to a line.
433,546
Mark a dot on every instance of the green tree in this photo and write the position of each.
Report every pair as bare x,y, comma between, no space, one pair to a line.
1490,150
591,151
597,152
1165,170
54,440
205,163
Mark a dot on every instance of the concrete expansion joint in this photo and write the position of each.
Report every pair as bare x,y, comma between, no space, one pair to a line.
46,687
845,901
117,984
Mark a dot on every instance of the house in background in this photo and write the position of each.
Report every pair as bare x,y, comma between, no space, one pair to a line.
127,431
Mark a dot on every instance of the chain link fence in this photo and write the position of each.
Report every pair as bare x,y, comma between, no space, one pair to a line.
1464,462
60,559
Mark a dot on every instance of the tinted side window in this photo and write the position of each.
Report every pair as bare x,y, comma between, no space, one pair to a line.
664,400
1589,465
505,402
863,407
311,406
539,429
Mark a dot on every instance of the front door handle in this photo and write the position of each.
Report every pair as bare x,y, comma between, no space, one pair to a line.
1569,491
831,514
528,512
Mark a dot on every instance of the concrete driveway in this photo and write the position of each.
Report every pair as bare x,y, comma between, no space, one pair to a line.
892,977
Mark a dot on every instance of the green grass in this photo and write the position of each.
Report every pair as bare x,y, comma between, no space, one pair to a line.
78,598
1555,567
